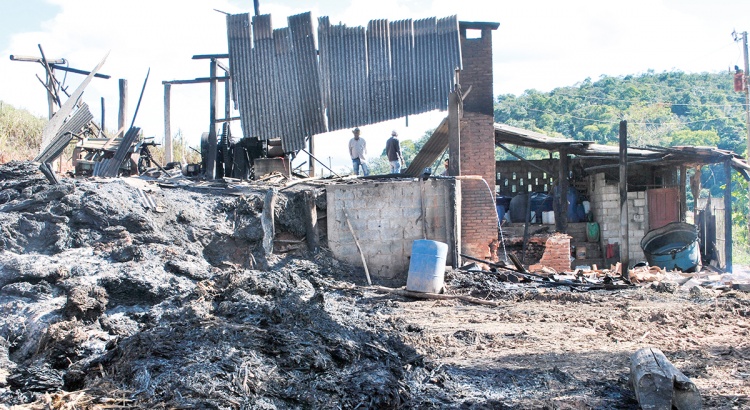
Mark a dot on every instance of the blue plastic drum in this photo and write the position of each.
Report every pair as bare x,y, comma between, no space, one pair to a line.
427,266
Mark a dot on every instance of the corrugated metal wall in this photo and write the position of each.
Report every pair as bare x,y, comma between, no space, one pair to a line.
361,76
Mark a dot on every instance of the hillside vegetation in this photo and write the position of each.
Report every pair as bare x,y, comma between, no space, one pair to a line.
664,109
670,108
20,133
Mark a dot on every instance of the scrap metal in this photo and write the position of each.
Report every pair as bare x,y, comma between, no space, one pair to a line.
81,118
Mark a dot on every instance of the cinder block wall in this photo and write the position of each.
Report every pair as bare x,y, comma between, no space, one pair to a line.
605,204
387,218
479,218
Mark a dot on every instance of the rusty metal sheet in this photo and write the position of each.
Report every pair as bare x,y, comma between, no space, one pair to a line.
81,118
308,74
239,39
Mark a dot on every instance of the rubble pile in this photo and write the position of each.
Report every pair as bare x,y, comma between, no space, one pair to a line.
181,307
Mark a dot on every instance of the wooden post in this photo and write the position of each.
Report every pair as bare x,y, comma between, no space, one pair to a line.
454,131
728,216
212,148
683,193
561,220
102,129
311,220
122,114
624,232
168,150
228,163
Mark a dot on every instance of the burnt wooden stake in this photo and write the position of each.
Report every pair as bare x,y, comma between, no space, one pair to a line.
311,220
454,130
267,220
660,385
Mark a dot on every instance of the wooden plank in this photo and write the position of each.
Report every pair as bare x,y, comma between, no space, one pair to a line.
267,220
359,248
311,220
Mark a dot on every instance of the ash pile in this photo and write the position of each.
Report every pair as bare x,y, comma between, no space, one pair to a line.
106,300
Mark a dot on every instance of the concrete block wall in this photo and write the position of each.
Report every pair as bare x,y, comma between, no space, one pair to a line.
605,205
387,218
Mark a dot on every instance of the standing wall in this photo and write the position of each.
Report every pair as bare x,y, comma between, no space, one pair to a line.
387,217
605,205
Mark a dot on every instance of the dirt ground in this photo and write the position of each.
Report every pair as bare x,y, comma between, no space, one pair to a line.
106,302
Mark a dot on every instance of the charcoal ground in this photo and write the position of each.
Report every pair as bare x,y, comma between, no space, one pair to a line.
104,302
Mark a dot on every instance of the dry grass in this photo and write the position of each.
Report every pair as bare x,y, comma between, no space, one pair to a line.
20,133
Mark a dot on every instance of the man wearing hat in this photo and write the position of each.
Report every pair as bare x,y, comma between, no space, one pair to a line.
393,151
358,152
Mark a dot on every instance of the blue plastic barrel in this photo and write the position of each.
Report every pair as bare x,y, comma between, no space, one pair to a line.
427,266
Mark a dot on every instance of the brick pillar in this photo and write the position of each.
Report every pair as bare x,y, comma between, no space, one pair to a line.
478,215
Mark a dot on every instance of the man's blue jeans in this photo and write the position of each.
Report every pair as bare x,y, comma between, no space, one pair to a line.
395,167
356,163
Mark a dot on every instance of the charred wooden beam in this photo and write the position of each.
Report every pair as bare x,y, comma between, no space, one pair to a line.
77,71
658,384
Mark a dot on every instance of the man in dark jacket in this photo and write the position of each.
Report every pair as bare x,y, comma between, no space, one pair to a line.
393,151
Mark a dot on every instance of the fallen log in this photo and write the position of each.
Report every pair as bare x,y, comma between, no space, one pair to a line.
660,385
436,296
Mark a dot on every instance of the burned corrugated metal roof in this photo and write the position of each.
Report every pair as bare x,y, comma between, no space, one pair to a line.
431,151
276,78
362,76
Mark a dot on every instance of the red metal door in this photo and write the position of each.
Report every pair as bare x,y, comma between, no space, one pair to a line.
663,206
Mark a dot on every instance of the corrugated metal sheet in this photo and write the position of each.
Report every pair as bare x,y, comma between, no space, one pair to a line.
307,74
380,75
72,126
239,40
361,76
431,151
110,167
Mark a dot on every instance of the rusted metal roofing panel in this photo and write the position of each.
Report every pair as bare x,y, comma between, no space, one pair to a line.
361,76
72,126
110,167
343,58
402,51
379,66
308,74
431,151
289,110
239,40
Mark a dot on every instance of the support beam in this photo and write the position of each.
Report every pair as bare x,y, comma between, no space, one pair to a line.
728,216
561,216
122,113
683,192
311,171
212,142
624,233
102,129
168,150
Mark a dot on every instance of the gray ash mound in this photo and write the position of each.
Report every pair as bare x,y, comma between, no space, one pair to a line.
181,308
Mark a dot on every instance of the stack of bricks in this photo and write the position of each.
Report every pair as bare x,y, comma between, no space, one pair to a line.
556,253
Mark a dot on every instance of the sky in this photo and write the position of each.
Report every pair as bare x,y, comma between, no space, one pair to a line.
540,45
